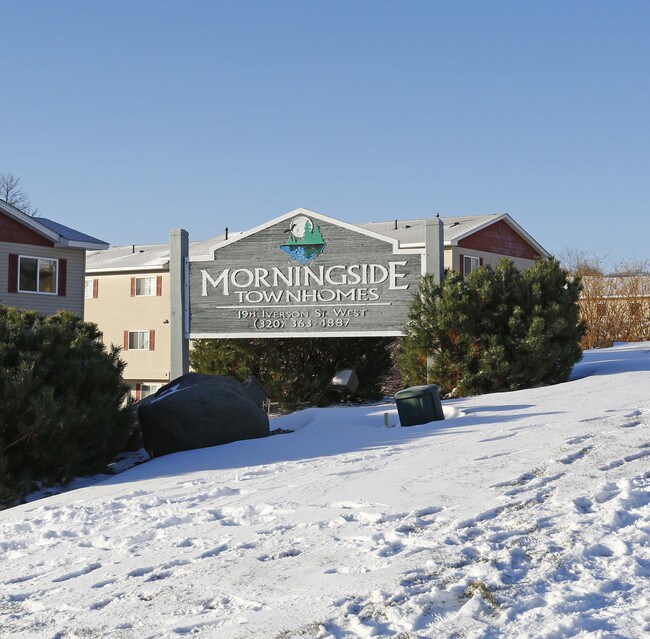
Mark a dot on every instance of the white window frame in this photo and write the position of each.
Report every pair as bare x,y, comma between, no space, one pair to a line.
474,263
91,281
151,389
38,259
142,335
150,282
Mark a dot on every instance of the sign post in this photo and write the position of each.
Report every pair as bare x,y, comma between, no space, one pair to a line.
434,244
179,300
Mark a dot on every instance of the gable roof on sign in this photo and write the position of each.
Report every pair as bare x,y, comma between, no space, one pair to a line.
355,228
58,234
410,233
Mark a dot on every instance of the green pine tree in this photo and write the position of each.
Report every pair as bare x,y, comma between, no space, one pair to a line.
498,329
63,400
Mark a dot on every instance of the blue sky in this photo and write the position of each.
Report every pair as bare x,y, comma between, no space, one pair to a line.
128,119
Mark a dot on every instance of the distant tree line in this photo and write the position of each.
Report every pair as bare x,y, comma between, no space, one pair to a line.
614,303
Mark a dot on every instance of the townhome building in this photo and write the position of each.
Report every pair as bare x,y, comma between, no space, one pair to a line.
42,262
127,296
128,287
470,241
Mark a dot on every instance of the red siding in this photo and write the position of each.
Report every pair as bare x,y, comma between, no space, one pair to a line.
12,231
500,238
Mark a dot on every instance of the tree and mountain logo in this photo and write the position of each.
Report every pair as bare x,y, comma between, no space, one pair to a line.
305,241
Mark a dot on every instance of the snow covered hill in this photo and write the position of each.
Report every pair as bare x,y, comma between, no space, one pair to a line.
524,514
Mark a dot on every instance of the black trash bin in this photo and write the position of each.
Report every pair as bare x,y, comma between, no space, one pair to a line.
419,405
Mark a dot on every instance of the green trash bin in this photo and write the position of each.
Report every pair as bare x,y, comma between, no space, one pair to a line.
419,405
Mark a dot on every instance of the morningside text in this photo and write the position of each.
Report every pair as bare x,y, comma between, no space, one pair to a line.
274,285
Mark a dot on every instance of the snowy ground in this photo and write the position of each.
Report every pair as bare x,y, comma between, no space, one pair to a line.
523,515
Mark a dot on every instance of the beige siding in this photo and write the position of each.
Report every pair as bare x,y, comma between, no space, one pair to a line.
449,264
45,304
115,311
452,258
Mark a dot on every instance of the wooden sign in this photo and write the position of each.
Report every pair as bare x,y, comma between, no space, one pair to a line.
303,275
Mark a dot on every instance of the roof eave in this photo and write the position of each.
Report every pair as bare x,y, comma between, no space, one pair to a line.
127,269
88,246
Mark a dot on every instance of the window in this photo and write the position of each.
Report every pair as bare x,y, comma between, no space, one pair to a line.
37,275
140,391
138,340
149,285
145,285
148,389
91,289
470,264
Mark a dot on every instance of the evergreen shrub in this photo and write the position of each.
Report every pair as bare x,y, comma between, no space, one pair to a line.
63,409
498,329
298,371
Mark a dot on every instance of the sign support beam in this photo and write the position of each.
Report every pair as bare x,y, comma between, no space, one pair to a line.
434,262
434,245
179,302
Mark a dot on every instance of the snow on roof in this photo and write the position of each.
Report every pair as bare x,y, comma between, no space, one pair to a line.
412,231
142,257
